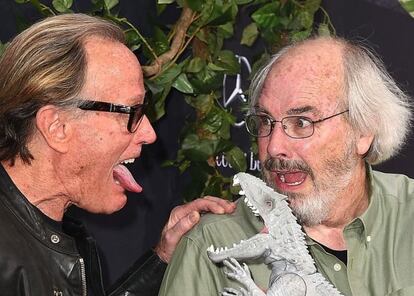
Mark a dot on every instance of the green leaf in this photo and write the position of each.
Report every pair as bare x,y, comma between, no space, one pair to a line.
323,30
109,4
199,178
165,1
62,5
202,103
197,149
235,189
212,122
226,30
228,62
206,81
97,5
304,19
183,85
214,186
312,5
157,94
195,5
169,75
222,14
408,5
132,38
184,166
237,159
195,65
241,2
267,16
22,1
3,47
250,34
224,145
299,36
160,41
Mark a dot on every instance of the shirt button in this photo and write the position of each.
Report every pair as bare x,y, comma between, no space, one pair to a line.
368,238
337,267
54,239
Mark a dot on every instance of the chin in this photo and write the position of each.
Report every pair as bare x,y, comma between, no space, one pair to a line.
114,204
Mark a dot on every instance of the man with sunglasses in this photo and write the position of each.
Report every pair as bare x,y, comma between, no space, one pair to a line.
323,110
71,116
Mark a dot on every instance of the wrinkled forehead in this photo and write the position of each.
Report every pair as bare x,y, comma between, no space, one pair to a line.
113,73
311,74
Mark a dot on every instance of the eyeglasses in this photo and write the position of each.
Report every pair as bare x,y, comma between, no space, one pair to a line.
135,112
297,127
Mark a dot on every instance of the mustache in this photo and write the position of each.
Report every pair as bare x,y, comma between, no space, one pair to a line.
280,164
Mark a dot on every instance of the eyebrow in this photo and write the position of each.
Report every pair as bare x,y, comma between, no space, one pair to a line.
300,110
293,111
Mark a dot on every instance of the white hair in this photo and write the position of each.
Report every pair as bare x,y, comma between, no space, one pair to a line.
377,106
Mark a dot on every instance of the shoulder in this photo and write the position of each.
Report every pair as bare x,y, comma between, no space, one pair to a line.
225,229
397,187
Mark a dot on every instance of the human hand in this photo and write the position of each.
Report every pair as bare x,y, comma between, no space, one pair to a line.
184,217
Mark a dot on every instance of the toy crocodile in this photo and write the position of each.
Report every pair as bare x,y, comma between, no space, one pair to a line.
281,244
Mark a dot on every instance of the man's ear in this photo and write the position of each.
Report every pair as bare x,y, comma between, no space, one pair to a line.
54,126
364,143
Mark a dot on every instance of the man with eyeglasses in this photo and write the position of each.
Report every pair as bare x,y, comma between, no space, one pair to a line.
72,114
323,110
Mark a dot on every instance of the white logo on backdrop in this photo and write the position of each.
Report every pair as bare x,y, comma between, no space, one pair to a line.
238,93
236,97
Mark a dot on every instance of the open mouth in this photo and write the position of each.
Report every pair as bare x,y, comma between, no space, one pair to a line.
291,178
123,177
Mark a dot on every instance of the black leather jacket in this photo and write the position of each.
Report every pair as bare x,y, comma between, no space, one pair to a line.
35,259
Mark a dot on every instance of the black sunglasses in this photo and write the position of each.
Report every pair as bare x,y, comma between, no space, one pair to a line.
135,112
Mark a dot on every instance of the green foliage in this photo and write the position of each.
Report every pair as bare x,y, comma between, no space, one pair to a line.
408,5
189,57
2,47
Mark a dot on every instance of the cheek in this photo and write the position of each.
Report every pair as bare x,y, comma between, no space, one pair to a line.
262,148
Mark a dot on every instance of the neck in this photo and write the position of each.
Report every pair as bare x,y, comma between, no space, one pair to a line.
38,184
350,204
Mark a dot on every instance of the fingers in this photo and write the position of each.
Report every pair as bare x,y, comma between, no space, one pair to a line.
228,206
171,235
184,217
210,204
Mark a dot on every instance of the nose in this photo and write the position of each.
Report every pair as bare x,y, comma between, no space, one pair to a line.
278,142
145,133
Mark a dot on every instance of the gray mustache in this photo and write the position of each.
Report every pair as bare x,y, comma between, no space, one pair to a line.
280,164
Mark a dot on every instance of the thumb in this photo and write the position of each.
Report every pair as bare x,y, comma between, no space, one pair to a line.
185,224
193,219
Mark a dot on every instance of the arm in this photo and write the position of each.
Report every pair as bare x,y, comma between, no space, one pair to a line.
183,218
190,272
144,278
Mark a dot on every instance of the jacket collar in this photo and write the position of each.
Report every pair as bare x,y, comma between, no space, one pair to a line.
31,217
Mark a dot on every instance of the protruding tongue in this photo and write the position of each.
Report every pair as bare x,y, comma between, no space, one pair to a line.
125,179
294,177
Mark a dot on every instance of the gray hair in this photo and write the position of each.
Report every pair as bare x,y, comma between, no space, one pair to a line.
376,104
45,64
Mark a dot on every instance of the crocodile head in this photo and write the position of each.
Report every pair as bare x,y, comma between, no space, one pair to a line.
264,203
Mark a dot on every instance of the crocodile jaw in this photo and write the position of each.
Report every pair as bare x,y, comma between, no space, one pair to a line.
254,247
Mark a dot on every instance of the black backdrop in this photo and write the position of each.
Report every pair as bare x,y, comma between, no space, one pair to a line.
125,235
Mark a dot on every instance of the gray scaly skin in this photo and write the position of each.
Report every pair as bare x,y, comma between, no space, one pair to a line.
282,246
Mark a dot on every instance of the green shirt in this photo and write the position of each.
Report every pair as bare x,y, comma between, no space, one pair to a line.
380,248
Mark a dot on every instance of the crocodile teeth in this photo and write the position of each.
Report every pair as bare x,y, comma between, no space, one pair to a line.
241,192
211,248
236,181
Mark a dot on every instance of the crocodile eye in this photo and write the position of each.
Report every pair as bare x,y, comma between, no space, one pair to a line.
269,203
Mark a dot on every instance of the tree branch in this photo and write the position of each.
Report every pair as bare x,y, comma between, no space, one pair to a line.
178,41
